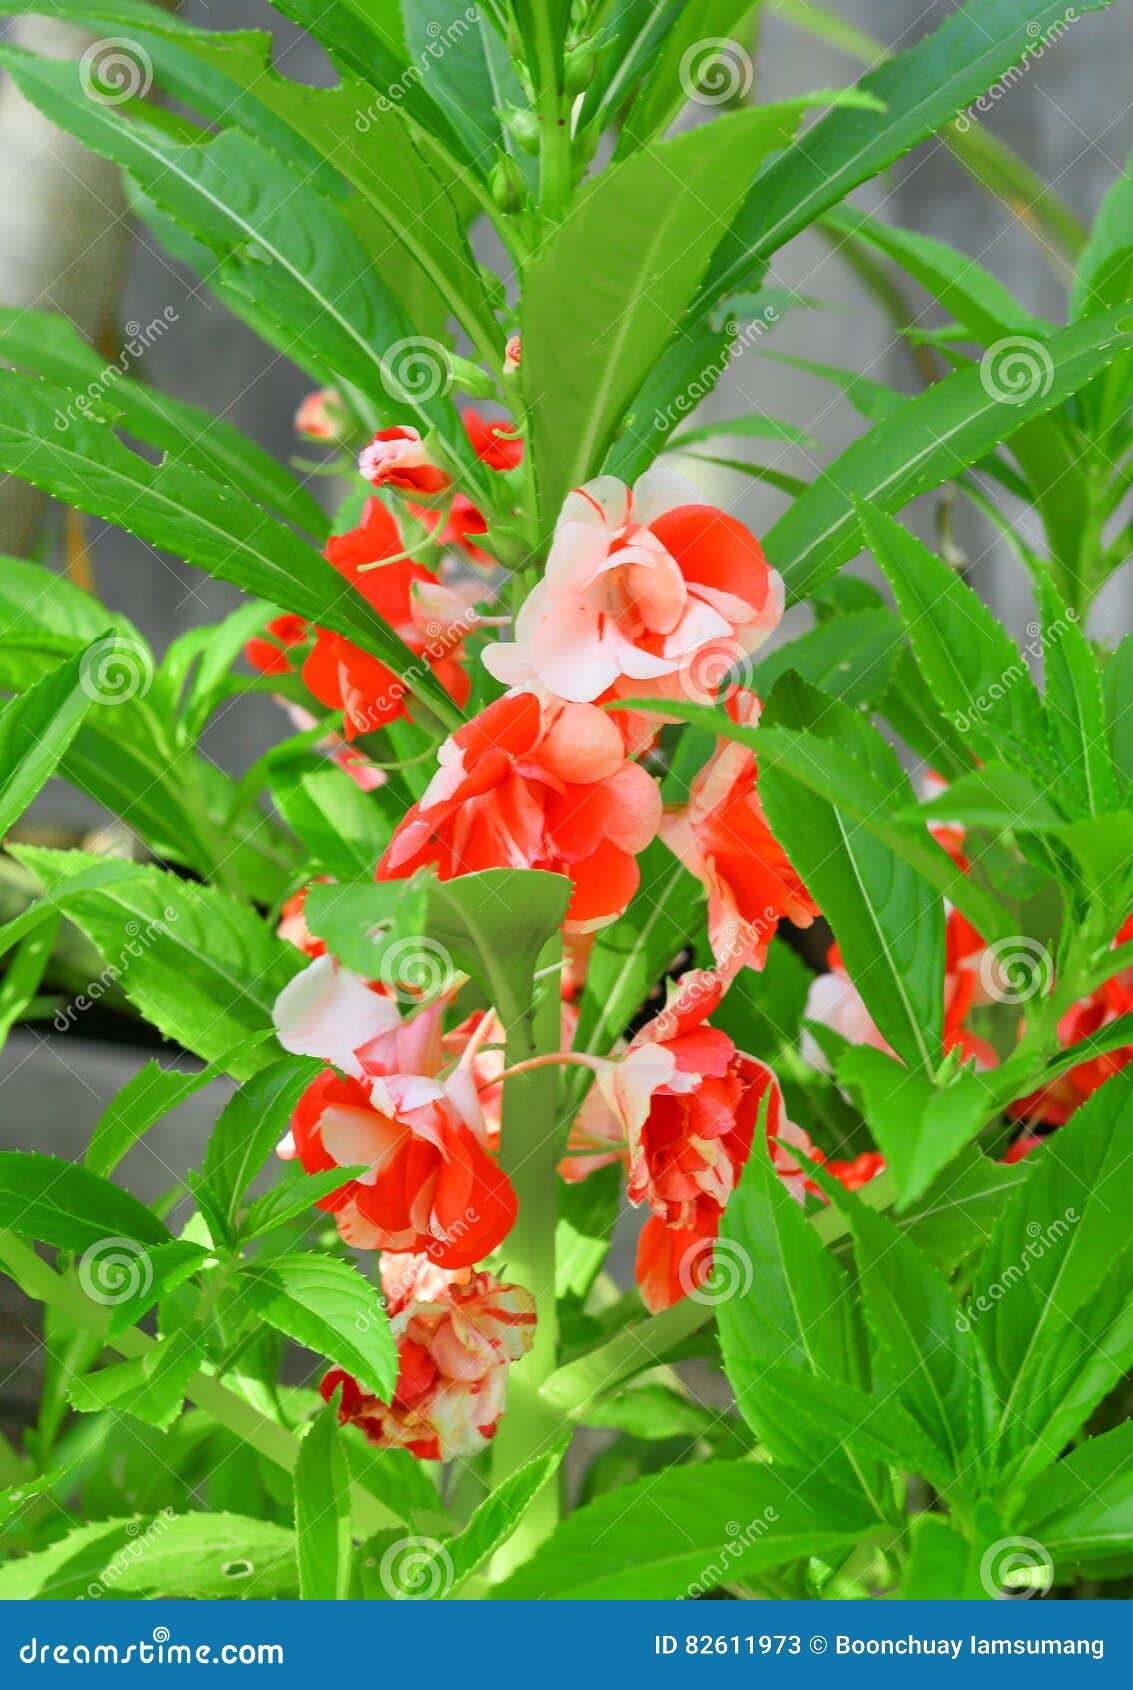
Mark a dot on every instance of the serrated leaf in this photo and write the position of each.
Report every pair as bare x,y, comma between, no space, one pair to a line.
143,1101
58,1203
249,1128
35,731
327,1305
322,1511
152,1387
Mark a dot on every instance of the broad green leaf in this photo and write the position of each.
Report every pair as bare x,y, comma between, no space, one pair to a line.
144,1100
202,968
1075,707
249,1127
293,1196
919,1127
888,922
643,249
993,796
472,76
653,1413
976,298
851,658
37,728
942,1565
152,1387
1082,1510
322,1511
975,671
797,1308
674,1534
919,91
343,829
1057,1266
58,1203
207,523
327,1305
50,346
139,1281
953,424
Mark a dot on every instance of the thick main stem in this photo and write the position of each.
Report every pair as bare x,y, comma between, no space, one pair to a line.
528,1154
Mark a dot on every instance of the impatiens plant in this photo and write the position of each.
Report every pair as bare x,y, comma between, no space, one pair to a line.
612,1025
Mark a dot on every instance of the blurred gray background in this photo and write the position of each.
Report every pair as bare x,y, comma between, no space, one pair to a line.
1069,117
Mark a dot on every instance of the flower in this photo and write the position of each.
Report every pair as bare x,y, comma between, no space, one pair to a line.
293,924
429,618
429,1183
645,590
1055,1103
455,1349
722,837
532,782
398,457
513,354
320,416
497,444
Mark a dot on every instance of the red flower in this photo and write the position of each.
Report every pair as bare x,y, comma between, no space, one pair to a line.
398,457
455,1352
1055,1104
321,417
722,837
497,444
534,783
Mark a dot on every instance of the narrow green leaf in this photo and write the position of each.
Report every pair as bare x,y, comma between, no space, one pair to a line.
250,1126
37,728
56,1202
144,1100
322,1511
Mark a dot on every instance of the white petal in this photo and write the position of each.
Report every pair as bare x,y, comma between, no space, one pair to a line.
328,1012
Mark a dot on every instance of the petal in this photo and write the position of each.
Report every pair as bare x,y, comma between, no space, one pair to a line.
328,1012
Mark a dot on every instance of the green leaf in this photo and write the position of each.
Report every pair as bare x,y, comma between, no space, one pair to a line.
587,1212
1118,689
976,298
888,922
186,1555
1082,1510
249,1128
343,829
499,1514
44,1198
653,1413
144,1100
674,1534
36,729
851,658
643,249
207,523
24,974
925,443
918,91
942,1565
973,667
327,1305
202,968
1075,707
50,346
698,41
152,1387
1105,266
322,1511
918,1126
755,426
1050,1295
137,1282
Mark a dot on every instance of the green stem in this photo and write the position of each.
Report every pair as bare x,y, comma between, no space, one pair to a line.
528,1154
